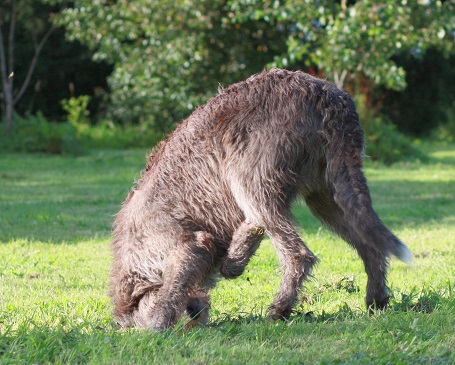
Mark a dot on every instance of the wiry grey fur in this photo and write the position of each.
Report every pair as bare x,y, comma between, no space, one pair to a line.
227,176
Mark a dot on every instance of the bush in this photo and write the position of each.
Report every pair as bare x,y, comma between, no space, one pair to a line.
422,107
446,131
384,142
77,109
113,136
106,134
36,134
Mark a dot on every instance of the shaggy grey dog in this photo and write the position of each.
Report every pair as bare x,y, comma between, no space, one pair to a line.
227,176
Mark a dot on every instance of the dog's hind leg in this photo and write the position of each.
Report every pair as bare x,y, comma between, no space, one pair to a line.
324,207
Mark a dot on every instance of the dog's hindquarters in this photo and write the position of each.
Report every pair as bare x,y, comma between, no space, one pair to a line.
344,203
344,153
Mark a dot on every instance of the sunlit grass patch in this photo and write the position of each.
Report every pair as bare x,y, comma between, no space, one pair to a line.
55,220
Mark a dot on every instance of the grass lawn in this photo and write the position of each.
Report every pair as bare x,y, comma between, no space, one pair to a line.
55,217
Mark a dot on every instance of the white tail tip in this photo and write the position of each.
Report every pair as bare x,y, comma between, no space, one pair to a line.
404,254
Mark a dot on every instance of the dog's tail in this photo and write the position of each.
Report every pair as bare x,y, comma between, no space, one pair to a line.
344,153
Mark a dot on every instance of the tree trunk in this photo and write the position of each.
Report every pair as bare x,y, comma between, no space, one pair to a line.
7,67
9,107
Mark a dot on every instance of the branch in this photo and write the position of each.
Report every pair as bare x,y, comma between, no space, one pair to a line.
343,6
340,79
343,78
358,69
33,64
3,69
12,29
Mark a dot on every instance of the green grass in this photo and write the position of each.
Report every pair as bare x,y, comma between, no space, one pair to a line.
55,217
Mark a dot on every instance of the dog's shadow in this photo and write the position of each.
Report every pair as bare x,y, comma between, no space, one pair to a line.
416,301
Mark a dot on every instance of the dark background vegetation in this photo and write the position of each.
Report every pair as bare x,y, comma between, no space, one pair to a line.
118,74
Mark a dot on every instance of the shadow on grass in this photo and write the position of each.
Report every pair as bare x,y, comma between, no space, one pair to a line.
443,153
88,343
33,344
416,301
60,199
420,300
398,204
82,213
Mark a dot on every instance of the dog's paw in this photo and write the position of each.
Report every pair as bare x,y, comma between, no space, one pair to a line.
231,269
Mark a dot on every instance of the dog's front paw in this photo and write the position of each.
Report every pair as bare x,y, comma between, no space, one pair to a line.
231,269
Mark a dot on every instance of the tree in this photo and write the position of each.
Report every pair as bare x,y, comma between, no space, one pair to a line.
168,56
348,40
12,14
428,102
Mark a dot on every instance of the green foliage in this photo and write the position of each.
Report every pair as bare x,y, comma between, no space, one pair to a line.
423,300
24,16
384,142
55,260
427,102
346,40
113,136
35,134
77,109
107,134
168,57
446,131
64,68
